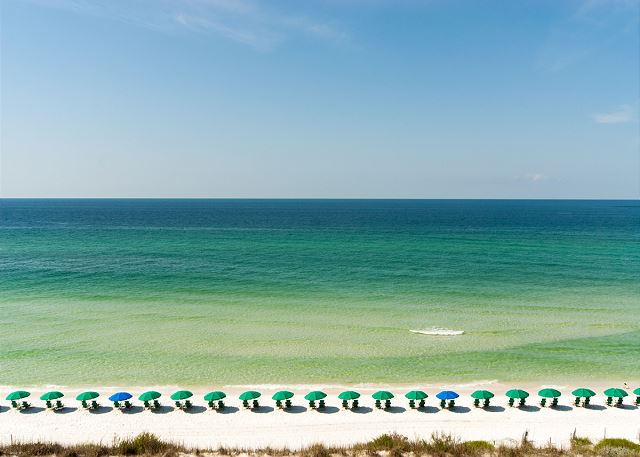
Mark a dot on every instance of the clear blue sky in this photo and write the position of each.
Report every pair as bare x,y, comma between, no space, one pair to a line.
325,98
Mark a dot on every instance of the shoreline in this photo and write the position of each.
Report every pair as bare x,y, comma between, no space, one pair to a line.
236,427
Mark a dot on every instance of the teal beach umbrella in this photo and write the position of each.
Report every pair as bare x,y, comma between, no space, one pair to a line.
215,396
416,395
51,396
86,396
181,395
249,395
382,395
148,396
482,395
18,395
549,393
315,395
349,395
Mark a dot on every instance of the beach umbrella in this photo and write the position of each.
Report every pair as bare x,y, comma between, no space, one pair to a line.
148,396
615,392
86,396
349,395
282,395
51,396
447,395
637,391
583,392
382,395
315,395
517,393
120,396
416,395
250,395
482,395
18,395
214,396
549,393
181,395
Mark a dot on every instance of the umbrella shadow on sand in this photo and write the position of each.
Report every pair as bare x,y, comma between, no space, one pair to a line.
328,410
361,410
494,409
4,409
65,410
595,407
163,409
460,410
428,409
228,410
196,409
295,409
394,410
101,410
529,408
561,408
628,407
133,410
262,409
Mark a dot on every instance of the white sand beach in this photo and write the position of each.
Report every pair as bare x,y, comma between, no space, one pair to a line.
299,427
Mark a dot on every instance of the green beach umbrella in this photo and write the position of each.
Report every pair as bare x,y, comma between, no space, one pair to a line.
18,395
615,392
282,395
86,396
583,392
382,395
250,395
51,396
517,393
637,391
148,396
349,395
416,395
181,395
315,395
215,396
482,395
549,393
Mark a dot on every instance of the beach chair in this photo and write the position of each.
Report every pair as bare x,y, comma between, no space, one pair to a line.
476,402
211,404
609,401
586,401
14,404
59,405
256,405
178,405
511,402
187,404
486,403
543,402
49,404
84,404
421,404
412,404
94,405
245,403
146,404
156,404
443,404
387,404
345,404
321,405
554,403
220,405
619,402
378,404
637,401
452,404
577,402
127,404
116,404
26,405
287,403
355,404
279,404
312,404
522,402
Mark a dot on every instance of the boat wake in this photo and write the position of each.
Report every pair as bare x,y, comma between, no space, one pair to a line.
437,331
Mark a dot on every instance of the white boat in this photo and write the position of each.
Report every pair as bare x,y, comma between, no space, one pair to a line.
439,332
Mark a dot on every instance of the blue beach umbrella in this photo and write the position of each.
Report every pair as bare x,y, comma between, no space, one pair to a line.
447,395
120,396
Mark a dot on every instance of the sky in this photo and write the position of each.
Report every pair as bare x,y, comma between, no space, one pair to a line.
320,98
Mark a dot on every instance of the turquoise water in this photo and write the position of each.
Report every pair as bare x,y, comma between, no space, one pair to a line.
202,292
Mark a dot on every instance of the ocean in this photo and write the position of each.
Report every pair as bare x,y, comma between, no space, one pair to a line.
215,292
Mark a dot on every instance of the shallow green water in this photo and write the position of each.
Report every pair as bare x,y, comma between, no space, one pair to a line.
219,291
